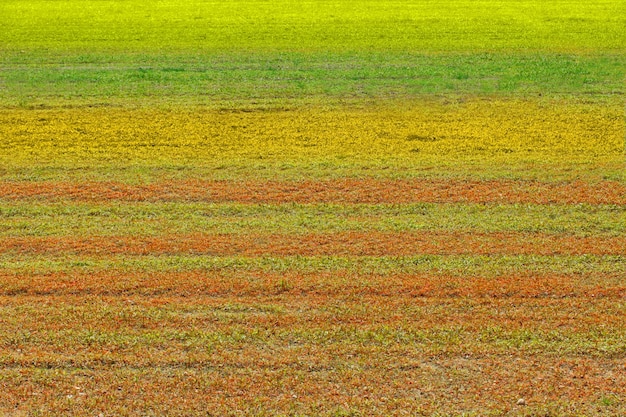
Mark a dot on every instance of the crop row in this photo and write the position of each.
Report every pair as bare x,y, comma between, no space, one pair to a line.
353,243
345,190
225,283
461,265
160,219
406,133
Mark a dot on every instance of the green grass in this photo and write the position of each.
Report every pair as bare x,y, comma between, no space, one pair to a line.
288,79
142,345
478,169
584,265
282,53
289,25
162,219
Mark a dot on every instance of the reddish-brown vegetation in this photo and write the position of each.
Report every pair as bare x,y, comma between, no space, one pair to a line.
339,283
339,243
338,190
187,340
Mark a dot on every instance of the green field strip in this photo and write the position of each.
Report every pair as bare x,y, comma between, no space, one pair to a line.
285,25
161,219
454,168
288,80
492,265
139,330
84,348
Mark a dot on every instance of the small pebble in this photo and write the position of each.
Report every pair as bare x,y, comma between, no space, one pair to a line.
521,401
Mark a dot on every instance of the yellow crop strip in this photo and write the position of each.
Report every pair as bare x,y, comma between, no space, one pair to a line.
411,134
465,25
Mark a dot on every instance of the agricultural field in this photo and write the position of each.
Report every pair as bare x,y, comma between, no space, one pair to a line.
312,208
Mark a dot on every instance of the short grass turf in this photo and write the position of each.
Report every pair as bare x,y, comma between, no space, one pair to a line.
288,79
332,208
459,25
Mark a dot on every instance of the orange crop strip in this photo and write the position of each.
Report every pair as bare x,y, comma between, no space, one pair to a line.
335,190
338,283
340,244
254,376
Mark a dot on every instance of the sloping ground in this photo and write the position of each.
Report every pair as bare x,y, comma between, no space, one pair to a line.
312,208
